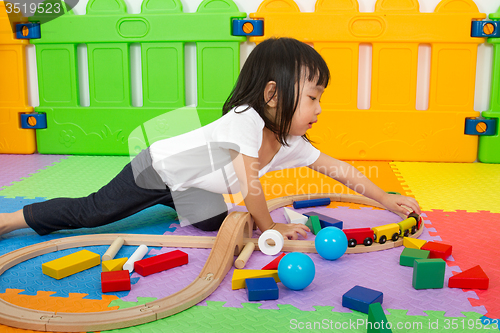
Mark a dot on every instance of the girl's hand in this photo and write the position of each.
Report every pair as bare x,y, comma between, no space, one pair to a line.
400,204
291,231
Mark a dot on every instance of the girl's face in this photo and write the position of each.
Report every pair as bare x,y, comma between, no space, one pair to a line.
308,108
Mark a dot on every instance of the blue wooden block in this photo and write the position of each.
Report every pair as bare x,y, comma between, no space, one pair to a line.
311,203
359,298
326,221
262,289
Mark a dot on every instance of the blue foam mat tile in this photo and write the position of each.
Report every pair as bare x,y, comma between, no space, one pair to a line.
495,323
28,275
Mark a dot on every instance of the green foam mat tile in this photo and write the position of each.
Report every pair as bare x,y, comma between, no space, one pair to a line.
76,176
216,318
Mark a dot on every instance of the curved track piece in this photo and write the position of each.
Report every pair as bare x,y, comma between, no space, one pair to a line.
233,234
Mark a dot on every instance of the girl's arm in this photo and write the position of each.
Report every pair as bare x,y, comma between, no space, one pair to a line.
355,180
247,171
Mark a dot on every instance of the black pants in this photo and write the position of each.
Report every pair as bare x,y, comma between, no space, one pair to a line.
135,188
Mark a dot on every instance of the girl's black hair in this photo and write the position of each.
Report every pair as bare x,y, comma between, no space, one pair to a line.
284,61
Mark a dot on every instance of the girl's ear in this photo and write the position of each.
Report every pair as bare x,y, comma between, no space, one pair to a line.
270,94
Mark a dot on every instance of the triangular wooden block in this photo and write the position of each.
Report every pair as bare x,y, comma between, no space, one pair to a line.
377,321
294,217
472,278
413,243
239,276
113,265
273,265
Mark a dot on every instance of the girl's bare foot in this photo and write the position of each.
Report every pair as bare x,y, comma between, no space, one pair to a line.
12,221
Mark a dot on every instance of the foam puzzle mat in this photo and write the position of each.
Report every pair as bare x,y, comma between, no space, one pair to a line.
460,207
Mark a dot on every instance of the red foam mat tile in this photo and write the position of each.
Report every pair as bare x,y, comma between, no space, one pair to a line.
475,241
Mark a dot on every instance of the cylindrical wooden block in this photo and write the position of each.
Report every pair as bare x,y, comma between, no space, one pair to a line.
136,256
244,255
113,249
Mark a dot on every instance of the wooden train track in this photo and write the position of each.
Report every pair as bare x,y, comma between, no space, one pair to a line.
233,234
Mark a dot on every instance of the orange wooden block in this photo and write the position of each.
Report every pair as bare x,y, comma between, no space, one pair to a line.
438,250
473,278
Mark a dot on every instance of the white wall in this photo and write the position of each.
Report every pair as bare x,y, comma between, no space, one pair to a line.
483,77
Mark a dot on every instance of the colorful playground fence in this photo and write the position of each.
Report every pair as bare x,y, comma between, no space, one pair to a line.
391,129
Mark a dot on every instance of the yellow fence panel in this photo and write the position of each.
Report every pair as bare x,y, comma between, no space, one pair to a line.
392,128
13,90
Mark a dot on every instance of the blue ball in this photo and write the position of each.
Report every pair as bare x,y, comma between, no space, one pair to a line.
296,270
331,243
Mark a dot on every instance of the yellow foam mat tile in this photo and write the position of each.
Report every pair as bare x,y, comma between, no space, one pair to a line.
452,186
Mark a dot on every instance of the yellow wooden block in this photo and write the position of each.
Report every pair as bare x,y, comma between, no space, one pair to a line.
239,276
71,264
113,265
413,243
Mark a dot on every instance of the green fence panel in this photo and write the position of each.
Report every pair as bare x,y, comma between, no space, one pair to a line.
489,146
162,29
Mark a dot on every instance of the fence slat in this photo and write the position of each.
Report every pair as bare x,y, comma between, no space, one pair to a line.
163,74
109,74
57,75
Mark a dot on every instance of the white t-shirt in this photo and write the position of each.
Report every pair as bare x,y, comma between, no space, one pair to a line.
201,158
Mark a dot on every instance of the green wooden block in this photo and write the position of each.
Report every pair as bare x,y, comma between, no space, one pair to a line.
409,255
377,321
314,224
428,273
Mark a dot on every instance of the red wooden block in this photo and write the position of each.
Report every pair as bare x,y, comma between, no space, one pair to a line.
161,262
115,281
473,278
273,265
438,250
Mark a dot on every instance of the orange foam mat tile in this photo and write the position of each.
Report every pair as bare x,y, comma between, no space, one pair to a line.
472,236
43,301
304,180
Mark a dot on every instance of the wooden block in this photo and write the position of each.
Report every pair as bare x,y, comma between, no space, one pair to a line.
377,321
359,298
311,203
239,276
438,250
428,273
326,221
473,278
113,265
245,254
71,264
313,224
409,255
113,249
413,243
262,289
294,217
115,281
273,265
138,254
161,262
